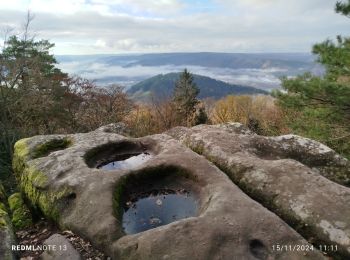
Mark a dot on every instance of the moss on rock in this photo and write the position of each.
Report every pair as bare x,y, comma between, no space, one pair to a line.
5,222
20,155
21,216
21,147
32,181
53,145
7,237
3,215
3,207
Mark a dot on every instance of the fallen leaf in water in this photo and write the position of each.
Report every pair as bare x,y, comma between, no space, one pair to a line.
159,202
154,221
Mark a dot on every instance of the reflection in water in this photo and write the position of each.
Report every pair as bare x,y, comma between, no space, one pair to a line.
126,161
157,210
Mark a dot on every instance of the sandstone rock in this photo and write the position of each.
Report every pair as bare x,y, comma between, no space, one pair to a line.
59,248
284,174
68,188
116,128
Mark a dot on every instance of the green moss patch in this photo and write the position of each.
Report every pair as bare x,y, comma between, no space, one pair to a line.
20,155
21,216
50,146
32,181
3,218
3,207
21,147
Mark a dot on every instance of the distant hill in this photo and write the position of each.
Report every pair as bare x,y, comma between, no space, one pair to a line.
161,86
218,60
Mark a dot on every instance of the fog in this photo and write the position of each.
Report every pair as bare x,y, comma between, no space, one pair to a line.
105,74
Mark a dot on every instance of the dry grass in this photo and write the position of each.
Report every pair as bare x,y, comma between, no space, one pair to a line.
258,112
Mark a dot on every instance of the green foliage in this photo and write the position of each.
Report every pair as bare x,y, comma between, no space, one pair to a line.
319,107
26,54
343,8
201,116
30,93
185,96
335,56
37,98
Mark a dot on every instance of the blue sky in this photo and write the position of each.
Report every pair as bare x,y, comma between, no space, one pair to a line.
145,26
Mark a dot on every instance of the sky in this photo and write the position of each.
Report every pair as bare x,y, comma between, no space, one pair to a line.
82,27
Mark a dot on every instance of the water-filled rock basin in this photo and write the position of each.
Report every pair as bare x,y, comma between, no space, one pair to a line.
122,155
125,161
157,208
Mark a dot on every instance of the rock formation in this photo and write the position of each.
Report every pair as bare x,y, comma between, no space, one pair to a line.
242,209
285,175
58,248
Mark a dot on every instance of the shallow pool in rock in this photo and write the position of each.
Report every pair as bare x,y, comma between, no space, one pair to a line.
157,208
126,161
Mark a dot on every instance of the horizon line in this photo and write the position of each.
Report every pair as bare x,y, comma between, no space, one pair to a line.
185,52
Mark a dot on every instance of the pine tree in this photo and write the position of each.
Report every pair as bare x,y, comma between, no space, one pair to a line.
343,8
185,97
323,103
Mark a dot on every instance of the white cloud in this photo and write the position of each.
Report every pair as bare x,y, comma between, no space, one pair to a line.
153,6
105,7
101,26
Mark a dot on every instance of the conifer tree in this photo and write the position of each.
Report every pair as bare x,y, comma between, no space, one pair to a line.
323,103
343,8
185,97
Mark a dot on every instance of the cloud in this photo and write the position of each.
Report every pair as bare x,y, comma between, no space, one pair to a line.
153,6
101,6
134,26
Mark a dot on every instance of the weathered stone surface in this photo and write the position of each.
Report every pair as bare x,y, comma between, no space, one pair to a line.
59,248
284,174
116,128
67,188
7,237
